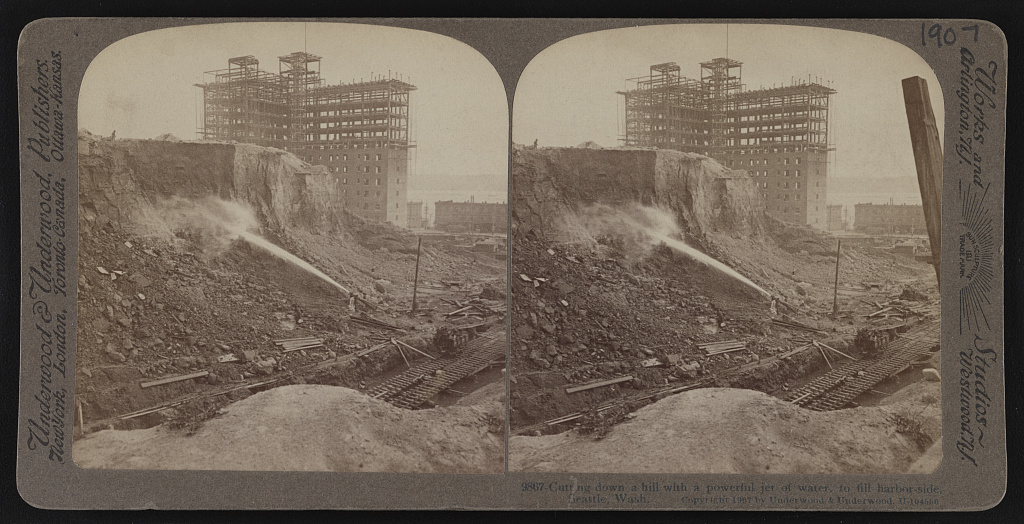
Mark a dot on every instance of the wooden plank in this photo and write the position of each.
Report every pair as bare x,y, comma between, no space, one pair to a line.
414,349
286,340
724,346
924,137
726,351
723,343
599,384
823,355
836,350
318,346
300,344
367,351
312,343
879,312
457,311
375,323
173,379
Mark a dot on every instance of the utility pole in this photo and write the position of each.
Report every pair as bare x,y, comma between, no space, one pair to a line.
835,296
416,277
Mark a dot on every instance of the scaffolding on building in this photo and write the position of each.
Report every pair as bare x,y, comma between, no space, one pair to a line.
244,104
780,116
719,84
296,111
717,116
665,109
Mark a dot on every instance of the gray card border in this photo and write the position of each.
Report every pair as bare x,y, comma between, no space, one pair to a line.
509,44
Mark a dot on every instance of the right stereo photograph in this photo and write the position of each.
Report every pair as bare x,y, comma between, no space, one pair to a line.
721,258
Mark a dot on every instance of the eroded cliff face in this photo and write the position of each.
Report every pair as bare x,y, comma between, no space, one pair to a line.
120,179
550,186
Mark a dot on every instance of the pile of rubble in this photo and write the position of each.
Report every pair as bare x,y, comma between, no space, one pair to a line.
594,323
166,319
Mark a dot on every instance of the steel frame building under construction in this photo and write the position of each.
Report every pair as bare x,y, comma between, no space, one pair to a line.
778,135
359,131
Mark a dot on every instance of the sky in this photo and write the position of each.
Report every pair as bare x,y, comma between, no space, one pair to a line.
566,95
142,86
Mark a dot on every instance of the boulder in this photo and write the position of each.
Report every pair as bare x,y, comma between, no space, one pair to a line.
930,374
524,331
382,286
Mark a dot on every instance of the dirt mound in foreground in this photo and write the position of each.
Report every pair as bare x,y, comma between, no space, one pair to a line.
312,428
731,431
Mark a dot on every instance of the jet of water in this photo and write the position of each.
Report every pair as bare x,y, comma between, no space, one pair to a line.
277,251
681,247
647,226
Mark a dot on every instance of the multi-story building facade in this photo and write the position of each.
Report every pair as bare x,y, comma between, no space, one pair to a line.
778,135
359,131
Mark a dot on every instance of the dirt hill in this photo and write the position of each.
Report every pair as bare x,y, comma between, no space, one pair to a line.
312,428
720,430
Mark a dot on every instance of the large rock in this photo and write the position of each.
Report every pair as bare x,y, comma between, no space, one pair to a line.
382,286
930,374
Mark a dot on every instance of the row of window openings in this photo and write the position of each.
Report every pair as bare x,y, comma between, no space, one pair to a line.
797,210
796,172
343,158
764,196
366,205
353,123
362,169
775,149
785,185
366,194
796,185
764,161
345,145
366,181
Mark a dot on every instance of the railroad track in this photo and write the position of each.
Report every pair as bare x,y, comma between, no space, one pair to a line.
835,389
418,384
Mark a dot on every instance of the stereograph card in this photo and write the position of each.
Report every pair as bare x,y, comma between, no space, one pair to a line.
654,264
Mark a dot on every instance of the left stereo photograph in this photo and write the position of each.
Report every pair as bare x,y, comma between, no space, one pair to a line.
292,252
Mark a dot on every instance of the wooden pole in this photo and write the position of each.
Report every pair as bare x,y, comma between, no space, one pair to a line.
414,349
400,352
416,278
924,136
824,356
835,296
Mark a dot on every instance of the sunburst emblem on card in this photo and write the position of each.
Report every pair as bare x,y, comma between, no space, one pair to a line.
975,254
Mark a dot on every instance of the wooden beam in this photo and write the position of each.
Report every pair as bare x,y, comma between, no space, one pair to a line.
723,343
924,137
880,311
299,339
599,384
412,348
836,350
400,352
173,379
726,351
289,350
